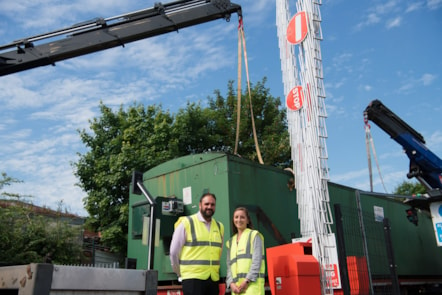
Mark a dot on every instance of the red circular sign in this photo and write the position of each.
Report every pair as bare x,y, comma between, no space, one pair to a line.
295,98
297,29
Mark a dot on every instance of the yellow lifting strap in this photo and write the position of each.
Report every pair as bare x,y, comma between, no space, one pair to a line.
242,45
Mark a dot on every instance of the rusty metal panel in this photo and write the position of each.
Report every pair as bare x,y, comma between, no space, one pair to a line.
31,279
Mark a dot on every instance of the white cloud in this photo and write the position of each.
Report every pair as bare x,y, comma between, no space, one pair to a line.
366,88
379,12
12,7
414,6
258,12
350,176
16,93
341,59
386,7
53,187
50,15
412,82
372,18
434,4
339,84
43,163
427,79
385,182
418,5
335,109
434,141
393,23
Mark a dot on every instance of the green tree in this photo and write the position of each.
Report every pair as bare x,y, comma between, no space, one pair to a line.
271,127
141,138
5,181
214,128
120,142
31,237
409,188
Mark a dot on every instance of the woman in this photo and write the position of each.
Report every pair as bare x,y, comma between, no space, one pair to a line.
245,256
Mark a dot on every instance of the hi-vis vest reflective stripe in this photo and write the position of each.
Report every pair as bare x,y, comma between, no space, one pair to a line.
200,256
241,261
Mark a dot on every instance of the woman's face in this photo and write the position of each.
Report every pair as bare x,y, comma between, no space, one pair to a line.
240,219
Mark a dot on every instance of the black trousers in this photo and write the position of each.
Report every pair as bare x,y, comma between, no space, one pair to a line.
200,287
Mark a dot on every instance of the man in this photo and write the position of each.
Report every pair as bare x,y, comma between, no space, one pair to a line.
195,250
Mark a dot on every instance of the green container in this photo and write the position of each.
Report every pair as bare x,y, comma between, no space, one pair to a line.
414,247
268,193
264,190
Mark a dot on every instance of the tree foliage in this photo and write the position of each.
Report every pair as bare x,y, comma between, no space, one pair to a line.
140,138
5,181
28,237
119,143
409,188
214,128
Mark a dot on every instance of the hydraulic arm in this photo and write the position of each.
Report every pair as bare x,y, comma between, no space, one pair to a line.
425,166
100,34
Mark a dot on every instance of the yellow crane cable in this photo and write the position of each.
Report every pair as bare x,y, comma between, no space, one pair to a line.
241,37
238,93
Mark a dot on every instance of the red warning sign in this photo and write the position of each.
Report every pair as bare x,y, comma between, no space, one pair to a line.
297,29
295,98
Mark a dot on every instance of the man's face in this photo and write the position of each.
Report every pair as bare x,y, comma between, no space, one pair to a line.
207,207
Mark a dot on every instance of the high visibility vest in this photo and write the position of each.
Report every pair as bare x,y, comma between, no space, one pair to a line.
201,253
241,261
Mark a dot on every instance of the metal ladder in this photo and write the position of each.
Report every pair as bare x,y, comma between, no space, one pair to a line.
308,132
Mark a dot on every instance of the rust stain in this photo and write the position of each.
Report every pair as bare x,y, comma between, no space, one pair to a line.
23,282
29,272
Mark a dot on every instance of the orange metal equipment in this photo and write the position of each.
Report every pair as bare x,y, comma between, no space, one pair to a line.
293,270
358,275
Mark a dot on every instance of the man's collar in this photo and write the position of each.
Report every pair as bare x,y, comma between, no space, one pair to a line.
201,218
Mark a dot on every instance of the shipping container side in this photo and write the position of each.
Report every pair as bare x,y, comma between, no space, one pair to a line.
264,190
269,196
415,248
186,179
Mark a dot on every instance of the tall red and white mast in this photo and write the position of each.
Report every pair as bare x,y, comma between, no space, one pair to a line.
300,34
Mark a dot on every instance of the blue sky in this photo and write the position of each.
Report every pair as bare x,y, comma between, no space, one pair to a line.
387,50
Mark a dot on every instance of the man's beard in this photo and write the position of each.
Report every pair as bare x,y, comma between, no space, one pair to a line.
208,213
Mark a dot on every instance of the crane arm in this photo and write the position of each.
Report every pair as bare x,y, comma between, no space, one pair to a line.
425,166
100,34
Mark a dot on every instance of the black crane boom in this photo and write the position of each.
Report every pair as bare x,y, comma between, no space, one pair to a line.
100,34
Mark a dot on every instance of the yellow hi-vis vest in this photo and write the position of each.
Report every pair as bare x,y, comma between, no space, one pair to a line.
241,261
201,253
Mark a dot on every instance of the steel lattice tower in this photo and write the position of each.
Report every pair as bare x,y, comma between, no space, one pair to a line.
308,131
